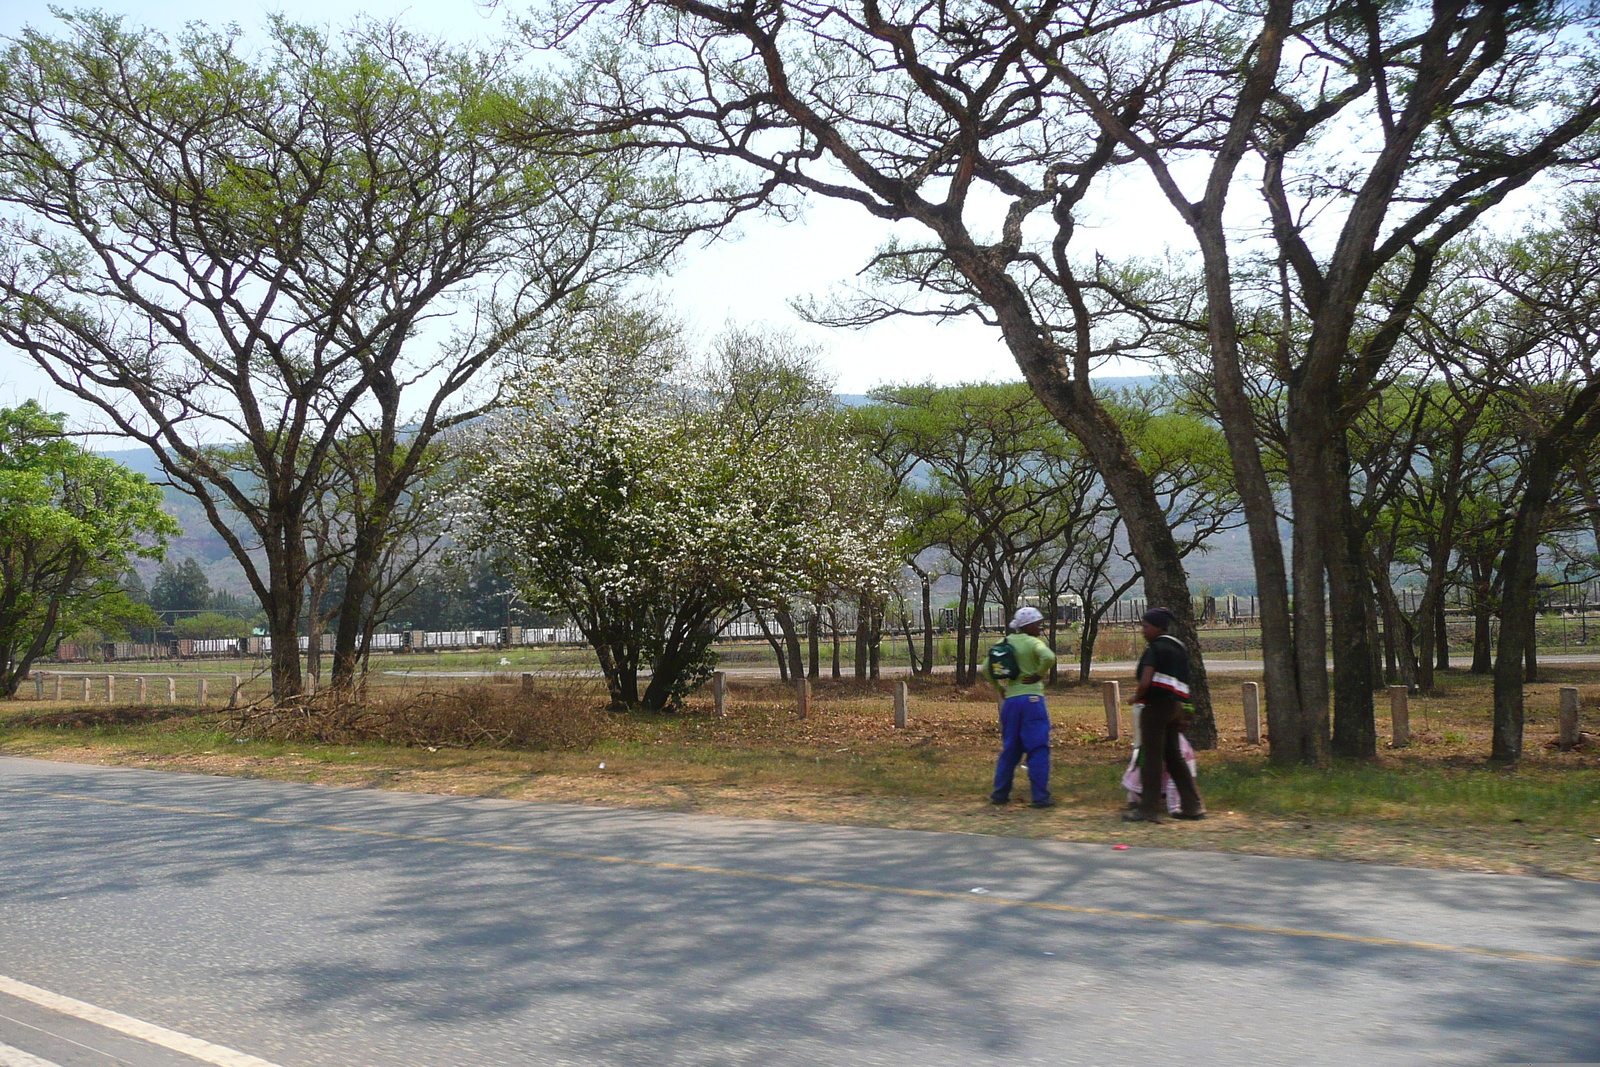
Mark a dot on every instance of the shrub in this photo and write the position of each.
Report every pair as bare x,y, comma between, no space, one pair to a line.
480,715
209,625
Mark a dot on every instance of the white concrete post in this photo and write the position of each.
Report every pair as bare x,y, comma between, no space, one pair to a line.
1252,713
1400,715
233,695
38,688
111,689
200,697
141,688
172,691
86,689
719,693
900,705
58,687
1111,697
1569,718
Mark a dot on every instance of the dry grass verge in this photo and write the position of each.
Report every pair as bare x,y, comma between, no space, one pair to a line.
470,716
1437,803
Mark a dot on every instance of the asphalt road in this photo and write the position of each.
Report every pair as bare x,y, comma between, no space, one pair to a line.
295,925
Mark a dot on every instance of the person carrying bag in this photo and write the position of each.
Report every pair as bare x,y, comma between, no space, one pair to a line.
1164,691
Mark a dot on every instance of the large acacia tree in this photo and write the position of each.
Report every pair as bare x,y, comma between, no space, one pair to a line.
220,244
937,115
1369,137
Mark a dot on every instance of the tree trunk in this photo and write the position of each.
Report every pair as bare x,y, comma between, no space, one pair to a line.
1425,656
1441,629
1482,616
927,627
814,643
1355,729
1519,571
1086,640
627,695
356,604
962,681
283,621
861,640
791,641
1307,740
777,646
974,647
833,626
874,640
1530,654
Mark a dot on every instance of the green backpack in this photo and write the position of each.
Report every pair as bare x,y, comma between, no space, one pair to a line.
1003,664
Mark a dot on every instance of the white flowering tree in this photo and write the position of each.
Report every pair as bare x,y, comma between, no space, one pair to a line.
628,495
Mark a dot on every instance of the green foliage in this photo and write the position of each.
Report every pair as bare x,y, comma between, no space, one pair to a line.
180,587
70,523
209,625
651,503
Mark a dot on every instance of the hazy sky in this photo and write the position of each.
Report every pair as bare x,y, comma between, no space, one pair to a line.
748,278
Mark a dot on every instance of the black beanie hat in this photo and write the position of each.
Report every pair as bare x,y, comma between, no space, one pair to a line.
1160,618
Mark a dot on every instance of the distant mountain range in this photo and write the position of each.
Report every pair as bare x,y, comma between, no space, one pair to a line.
198,538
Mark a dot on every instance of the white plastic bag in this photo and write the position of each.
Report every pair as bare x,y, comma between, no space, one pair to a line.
1132,781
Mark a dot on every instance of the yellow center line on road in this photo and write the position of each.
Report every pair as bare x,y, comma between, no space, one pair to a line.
835,883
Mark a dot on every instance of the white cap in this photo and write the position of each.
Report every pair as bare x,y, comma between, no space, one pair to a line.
1026,617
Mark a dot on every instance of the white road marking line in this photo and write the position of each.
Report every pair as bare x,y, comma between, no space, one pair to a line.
15,1057
203,1051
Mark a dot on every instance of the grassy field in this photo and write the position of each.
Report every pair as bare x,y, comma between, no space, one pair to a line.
1437,803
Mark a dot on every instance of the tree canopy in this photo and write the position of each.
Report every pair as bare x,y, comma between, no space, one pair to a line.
71,523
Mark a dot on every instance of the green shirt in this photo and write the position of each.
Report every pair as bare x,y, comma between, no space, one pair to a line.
1034,659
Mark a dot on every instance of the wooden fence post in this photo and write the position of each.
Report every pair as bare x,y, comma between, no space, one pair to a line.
803,692
111,689
38,688
200,698
527,681
1400,715
1111,697
58,687
172,690
86,689
233,696
1252,713
1569,718
141,688
900,705
719,693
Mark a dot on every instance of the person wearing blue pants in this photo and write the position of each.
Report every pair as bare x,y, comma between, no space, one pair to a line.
1024,719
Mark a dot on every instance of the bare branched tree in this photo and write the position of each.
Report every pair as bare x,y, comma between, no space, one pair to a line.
218,248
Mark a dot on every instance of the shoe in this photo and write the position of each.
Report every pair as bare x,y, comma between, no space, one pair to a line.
999,801
1141,816
1196,817
1043,804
